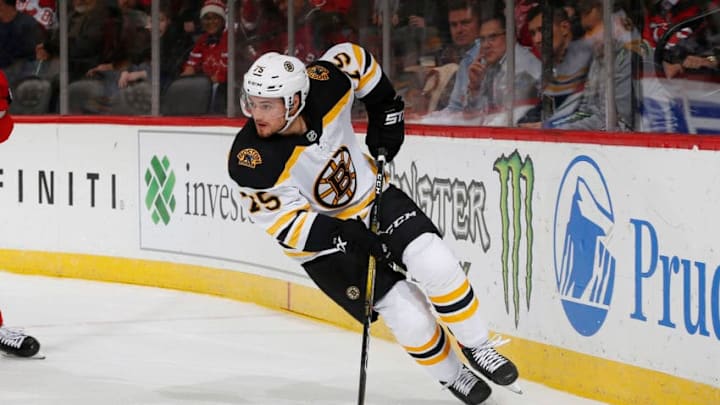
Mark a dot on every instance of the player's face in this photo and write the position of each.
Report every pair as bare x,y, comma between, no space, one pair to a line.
268,113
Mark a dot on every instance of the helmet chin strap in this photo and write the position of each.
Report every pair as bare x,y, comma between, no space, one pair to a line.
290,119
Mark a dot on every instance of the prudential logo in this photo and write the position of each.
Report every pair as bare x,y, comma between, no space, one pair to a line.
160,182
584,267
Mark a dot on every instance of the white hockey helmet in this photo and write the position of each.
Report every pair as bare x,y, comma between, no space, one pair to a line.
276,75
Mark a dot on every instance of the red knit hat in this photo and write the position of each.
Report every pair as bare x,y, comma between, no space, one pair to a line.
6,122
213,6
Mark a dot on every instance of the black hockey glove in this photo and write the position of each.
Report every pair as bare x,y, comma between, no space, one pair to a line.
352,235
386,127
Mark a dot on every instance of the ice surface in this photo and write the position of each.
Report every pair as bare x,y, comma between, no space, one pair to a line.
121,344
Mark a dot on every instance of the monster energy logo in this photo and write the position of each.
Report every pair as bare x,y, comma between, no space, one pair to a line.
513,171
160,182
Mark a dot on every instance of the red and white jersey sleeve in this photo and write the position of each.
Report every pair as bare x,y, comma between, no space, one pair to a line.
43,11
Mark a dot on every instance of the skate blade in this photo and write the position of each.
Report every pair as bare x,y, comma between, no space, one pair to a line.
37,356
514,387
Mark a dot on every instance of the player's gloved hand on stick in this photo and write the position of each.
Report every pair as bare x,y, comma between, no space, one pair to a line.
354,236
386,127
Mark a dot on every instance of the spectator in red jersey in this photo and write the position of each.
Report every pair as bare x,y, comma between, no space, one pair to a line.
43,11
689,47
209,56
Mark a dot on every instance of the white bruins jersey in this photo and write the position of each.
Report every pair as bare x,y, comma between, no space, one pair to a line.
291,184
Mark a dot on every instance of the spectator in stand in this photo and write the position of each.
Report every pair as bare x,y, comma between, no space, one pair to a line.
209,55
318,25
464,21
330,23
438,79
414,31
44,11
570,7
133,16
175,46
19,34
571,61
261,23
461,32
688,48
248,15
590,113
481,89
130,48
522,7
93,36
134,36
185,14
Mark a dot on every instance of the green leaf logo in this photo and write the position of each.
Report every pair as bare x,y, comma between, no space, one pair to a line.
160,181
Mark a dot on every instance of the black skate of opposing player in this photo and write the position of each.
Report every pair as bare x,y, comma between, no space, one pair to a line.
493,365
15,342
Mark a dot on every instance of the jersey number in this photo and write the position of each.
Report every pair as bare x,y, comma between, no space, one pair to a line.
342,60
262,200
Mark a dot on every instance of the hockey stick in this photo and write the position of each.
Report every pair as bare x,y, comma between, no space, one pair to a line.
370,285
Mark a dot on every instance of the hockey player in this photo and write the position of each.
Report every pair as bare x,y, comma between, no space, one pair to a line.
12,341
305,179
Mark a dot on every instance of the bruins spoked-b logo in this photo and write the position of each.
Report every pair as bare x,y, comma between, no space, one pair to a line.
352,292
338,180
517,178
